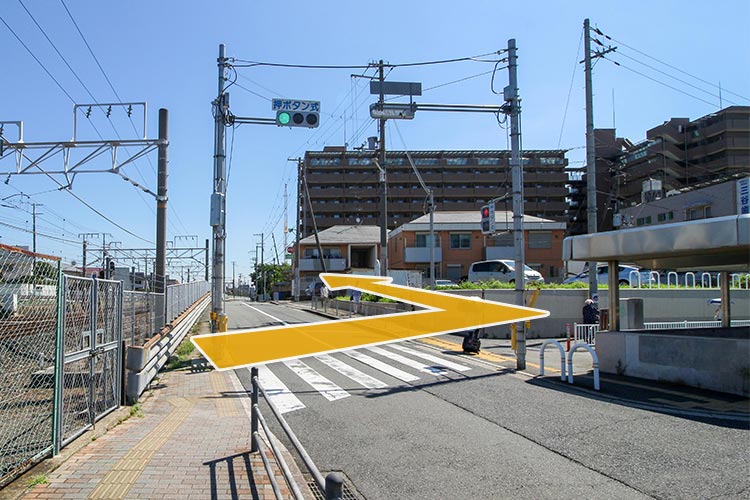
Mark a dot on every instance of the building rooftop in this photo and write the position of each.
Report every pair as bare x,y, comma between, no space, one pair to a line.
345,234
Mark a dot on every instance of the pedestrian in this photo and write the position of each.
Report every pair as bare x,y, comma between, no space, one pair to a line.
590,313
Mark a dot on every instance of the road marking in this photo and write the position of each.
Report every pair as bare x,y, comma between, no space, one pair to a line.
430,357
439,313
284,400
380,366
434,370
325,387
265,313
361,378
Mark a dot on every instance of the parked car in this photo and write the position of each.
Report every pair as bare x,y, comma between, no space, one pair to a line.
623,276
500,270
448,283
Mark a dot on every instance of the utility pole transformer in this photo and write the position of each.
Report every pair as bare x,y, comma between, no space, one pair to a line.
511,97
218,201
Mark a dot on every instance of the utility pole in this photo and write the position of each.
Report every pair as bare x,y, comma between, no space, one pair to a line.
384,182
286,221
34,214
161,204
590,155
262,269
218,201
233,271
297,234
511,96
85,236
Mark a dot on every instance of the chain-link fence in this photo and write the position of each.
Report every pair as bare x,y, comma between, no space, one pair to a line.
180,297
28,333
141,316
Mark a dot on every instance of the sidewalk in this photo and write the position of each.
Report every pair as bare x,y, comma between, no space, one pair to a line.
188,438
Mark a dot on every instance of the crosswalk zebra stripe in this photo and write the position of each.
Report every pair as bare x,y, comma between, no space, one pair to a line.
383,367
278,393
325,387
361,378
434,370
430,357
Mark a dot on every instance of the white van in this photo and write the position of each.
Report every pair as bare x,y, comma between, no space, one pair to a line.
500,270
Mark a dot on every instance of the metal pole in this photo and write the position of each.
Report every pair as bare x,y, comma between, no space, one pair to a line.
383,180
297,233
206,262
590,155
262,267
517,181
83,272
219,230
254,407
432,240
161,204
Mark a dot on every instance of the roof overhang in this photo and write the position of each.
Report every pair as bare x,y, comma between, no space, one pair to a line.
718,244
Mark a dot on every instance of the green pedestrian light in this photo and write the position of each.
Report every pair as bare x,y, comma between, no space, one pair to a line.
283,118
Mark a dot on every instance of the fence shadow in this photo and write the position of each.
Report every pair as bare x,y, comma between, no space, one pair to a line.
234,474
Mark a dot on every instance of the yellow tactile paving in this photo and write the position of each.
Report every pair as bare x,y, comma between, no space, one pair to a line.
126,471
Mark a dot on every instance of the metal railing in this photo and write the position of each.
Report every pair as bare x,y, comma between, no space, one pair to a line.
180,297
587,333
332,485
141,316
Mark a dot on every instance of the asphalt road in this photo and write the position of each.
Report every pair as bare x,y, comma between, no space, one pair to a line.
489,432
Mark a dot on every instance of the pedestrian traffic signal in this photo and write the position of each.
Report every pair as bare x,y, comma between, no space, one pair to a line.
307,119
488,218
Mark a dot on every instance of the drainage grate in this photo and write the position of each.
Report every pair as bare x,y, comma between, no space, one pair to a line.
350,493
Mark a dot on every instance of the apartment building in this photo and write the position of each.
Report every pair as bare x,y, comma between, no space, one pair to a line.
345,186
459,242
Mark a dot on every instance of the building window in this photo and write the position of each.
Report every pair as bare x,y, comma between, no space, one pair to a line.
426,161
325,161
540,239
422,240
489,161
457,161
461,240
328,253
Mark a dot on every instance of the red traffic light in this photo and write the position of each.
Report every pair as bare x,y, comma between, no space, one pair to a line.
485,212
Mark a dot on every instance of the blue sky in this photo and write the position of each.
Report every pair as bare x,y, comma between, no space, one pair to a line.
165,53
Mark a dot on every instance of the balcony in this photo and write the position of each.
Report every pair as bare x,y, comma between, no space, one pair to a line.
332,265
422,254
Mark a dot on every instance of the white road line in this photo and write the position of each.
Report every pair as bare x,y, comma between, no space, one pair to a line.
430,357
277,392
265,313
361,378
383,367
328,389
434,370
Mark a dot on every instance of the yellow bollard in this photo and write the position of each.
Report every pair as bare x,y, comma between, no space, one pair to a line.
513,336
221,323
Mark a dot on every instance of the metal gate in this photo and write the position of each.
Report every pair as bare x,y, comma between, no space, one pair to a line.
90,379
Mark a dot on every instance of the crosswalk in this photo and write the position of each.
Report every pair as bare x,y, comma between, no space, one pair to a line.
336,376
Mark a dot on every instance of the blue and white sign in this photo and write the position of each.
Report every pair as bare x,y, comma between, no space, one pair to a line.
295,105
743,196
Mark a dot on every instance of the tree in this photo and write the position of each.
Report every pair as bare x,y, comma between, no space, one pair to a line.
265,276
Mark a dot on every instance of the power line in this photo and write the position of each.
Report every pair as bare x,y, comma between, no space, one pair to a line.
598,32
37,60
570,90
659,81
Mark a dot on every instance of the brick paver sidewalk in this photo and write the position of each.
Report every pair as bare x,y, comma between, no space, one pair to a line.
191,439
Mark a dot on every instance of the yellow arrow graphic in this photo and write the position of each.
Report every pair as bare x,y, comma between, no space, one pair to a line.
443,313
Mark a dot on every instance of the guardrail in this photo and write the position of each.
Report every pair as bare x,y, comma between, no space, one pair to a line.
332,485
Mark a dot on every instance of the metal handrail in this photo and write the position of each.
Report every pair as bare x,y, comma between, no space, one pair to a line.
331,485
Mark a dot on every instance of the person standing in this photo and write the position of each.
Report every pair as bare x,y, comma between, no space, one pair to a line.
590,313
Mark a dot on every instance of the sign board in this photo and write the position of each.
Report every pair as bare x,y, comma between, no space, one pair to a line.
392,111
294,105
743,196
396,88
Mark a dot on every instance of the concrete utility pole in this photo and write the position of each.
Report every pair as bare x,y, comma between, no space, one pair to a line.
590,155
297,234
218,201
511,96
160,283
384,181
34,214
262,269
